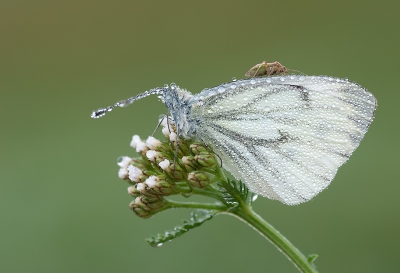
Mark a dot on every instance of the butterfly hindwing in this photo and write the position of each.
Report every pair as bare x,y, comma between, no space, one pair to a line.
284,137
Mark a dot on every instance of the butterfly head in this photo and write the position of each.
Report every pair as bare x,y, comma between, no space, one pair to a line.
177,102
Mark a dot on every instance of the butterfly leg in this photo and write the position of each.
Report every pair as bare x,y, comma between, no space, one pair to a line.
158,126
208,148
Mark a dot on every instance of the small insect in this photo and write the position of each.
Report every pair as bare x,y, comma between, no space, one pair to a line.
285,137
266,69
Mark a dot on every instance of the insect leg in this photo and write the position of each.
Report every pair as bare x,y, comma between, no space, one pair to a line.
177,144
205,144
158,126
264,63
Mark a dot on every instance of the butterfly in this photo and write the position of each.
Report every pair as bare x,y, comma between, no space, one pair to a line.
285,137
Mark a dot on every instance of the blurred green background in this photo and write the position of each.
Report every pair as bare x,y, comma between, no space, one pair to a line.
62,206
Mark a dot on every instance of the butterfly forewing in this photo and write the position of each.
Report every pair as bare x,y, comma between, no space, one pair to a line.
285,137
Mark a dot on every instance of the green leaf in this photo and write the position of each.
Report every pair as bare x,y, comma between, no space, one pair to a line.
235,192
197,218
312,257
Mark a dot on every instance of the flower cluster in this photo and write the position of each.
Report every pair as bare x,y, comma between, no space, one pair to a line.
164,168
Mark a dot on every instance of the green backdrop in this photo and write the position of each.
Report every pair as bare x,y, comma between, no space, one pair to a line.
62,206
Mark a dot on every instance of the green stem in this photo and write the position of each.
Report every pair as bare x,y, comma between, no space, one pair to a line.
246,214
208,193
194,205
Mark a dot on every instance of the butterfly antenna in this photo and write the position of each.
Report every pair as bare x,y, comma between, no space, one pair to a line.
123,103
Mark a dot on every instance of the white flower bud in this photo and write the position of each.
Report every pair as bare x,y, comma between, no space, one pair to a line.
140,147
123,173
173,136
135,141
124,161
165,131
152,181
138,201
140,187
151,154
132,190
185,160
152,143
163,121
164,164
134,173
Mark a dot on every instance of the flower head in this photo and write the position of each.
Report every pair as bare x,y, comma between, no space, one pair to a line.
123,173
152,143
189,163
141,187
205,159
134,173
198,179
138,144
141,147
173,136
124,161
133,191
166,131
135,140
151,155
158,172
164,164
152,181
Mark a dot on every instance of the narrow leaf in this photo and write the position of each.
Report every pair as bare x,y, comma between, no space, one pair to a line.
197,218
312,257
235,191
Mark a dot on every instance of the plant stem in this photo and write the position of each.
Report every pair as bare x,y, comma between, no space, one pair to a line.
209,193
246,214
193,205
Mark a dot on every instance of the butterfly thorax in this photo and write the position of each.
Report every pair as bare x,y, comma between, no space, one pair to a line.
176,100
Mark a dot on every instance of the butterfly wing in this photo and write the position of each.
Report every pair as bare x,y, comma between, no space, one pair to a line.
284,137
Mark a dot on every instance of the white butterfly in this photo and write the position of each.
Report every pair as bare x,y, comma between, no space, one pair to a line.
284,137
